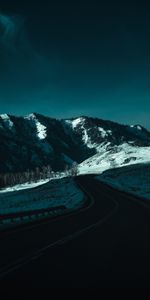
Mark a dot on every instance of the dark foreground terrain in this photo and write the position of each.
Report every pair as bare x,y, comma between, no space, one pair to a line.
106,244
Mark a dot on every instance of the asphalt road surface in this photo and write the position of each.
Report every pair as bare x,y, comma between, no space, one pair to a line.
104,245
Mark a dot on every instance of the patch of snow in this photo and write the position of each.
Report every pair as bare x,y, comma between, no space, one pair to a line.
80,121
85,137
23,186
74,123
30,185
136,127
55,193
69,122
77,121
4,116
30,117
139,127
7,120
41,129
109,132
103,132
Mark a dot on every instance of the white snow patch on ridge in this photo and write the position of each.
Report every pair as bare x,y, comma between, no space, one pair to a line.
86,139
104,133
74,123
77,121
7,120
136,127
85,136
80,121
41,129
30,117
139,127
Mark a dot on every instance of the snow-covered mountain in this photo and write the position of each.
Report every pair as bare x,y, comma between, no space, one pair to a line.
36,140
108,157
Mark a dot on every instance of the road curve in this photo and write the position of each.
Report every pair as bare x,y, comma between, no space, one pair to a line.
106,245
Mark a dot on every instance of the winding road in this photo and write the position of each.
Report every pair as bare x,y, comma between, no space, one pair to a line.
105,244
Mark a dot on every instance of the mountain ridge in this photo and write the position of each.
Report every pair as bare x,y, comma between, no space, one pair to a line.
75,117
36,140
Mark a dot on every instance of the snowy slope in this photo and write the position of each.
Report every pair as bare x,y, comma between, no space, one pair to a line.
115,145
109,157
62,192
131,179
23,186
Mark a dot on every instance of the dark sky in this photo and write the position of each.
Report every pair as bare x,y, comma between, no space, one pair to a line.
69,58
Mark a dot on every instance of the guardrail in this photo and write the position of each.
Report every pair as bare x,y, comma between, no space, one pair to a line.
6,219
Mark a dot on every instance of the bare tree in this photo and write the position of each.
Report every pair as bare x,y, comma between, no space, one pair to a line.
49,171
74,169
67,170
10,179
